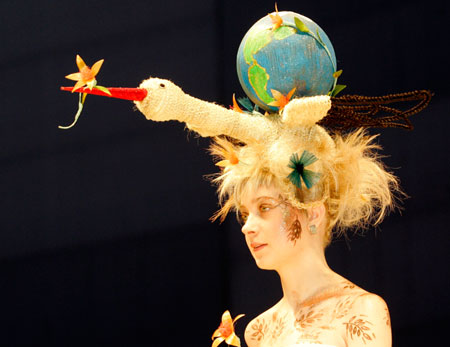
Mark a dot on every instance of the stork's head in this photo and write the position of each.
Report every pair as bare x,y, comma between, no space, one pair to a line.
161,94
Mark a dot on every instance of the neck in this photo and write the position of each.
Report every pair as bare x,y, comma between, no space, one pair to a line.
306,276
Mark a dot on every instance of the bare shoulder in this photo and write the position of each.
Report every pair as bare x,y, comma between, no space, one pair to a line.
367,321
370,302
259,327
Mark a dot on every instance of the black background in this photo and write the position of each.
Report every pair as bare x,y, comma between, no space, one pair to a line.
104,231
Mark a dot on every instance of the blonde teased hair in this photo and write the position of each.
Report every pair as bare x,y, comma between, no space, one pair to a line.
355,187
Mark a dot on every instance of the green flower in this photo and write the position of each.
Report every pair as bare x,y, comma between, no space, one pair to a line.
299,172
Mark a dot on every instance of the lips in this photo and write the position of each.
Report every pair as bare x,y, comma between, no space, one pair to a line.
256,246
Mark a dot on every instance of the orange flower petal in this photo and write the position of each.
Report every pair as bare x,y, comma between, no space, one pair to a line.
233,340
217,341
74,76
225,332
80,62
237,317
289,96
226,317
276,94
276,18
223,163
79,84
225,151
282,106
86,74
96,67
216,334
276,103
280,99
236,106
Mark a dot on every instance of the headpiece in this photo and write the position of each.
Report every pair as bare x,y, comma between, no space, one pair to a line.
292,135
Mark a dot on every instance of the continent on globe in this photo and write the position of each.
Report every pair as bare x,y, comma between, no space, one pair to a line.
284,58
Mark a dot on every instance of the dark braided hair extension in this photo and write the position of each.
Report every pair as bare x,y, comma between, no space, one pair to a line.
356,111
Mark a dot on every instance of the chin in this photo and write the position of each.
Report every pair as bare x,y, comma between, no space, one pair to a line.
264,264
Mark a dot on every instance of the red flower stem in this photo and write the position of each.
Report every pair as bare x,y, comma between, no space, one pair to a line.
136,94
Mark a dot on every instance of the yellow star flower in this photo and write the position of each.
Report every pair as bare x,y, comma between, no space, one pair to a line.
225,332
280,100
276,18
86,75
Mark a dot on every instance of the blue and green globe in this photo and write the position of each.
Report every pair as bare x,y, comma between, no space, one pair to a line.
298,54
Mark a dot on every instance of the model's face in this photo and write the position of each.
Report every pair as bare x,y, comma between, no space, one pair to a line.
268,227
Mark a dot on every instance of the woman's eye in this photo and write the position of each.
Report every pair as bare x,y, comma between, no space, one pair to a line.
264,208
242,218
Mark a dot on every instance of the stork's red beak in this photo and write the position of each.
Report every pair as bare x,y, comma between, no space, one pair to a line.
136,94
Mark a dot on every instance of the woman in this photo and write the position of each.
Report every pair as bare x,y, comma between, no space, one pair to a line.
295,184
318,305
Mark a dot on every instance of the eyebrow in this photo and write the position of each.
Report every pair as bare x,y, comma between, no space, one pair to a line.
257,199
264,197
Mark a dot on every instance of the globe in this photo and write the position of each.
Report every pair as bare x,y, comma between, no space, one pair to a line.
293,55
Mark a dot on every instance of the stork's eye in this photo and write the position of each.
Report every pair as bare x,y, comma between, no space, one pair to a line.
162,85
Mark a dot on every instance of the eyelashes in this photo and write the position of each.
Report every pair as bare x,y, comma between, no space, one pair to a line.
241,218
265,208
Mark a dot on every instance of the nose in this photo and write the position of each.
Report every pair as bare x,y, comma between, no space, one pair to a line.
250,225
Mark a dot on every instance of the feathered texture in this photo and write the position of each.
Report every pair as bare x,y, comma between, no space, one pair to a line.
299,173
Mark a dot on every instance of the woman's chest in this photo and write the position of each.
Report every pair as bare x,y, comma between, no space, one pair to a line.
313,325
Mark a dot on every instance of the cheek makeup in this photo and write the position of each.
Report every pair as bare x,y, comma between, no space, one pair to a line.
289,227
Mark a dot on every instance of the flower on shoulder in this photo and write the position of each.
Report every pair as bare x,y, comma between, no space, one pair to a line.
281,100
225,332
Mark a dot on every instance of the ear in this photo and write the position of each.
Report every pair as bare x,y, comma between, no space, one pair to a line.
316,215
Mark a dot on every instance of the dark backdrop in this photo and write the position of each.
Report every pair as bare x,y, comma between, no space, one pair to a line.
104,231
